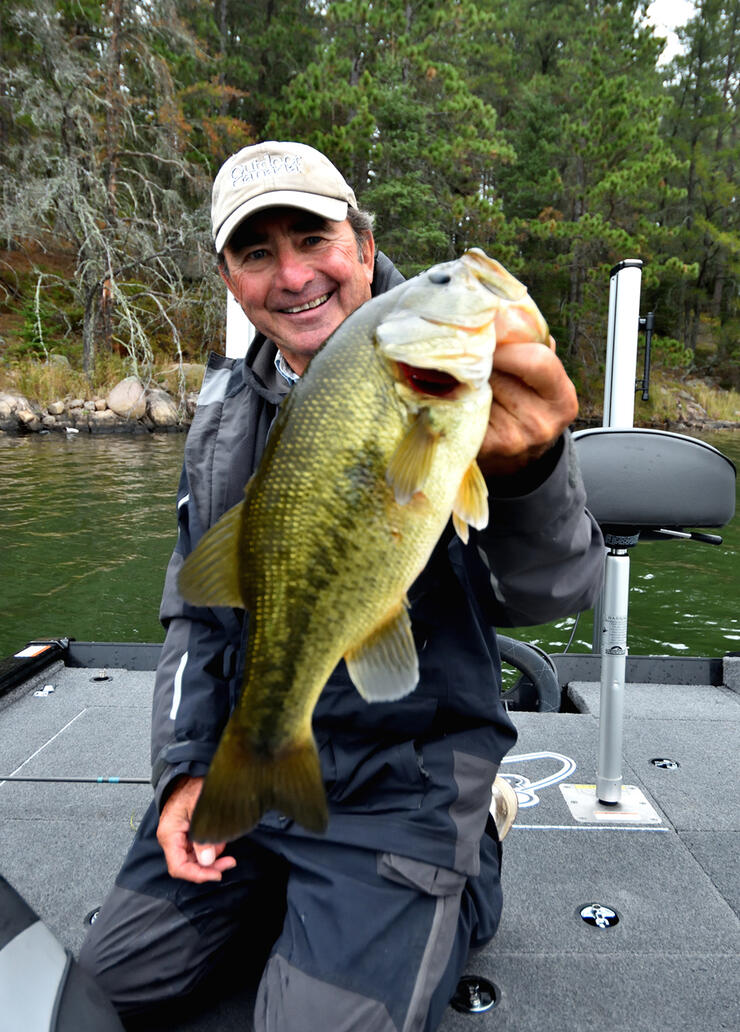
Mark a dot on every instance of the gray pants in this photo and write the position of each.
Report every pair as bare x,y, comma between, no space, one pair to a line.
360,940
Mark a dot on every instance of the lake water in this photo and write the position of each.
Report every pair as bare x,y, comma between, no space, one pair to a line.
87,525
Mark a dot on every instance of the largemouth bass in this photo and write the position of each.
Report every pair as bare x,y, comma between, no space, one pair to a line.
372,451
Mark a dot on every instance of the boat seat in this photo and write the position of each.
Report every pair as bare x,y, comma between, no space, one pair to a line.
642,481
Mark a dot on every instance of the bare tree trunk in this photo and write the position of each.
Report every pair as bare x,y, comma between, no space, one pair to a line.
113,132
575,296
88,330
222,28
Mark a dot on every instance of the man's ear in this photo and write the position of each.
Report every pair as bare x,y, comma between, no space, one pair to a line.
368,256
223,271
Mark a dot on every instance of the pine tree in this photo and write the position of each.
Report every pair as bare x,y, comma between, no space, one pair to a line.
702,127
386,97
583,114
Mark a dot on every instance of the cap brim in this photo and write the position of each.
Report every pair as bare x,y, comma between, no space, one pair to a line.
327,207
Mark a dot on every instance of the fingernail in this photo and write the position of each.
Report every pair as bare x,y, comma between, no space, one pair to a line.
207,856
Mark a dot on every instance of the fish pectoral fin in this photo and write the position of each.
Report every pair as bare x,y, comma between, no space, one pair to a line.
243,784
470,507
385,666
210,574
412,461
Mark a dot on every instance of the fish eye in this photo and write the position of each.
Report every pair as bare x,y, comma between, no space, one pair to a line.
439,277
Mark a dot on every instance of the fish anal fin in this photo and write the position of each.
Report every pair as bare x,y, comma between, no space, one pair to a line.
461,528
470,507
243,783
385,667
412,461
210,575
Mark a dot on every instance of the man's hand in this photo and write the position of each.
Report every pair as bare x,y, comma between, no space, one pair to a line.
533,402
186,859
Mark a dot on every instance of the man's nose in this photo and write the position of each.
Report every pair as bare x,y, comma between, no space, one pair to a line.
293,271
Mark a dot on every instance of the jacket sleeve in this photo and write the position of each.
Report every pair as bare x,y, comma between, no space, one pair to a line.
543,552
193,688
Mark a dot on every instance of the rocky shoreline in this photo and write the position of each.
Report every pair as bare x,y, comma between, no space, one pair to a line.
133,407
683,425
130,407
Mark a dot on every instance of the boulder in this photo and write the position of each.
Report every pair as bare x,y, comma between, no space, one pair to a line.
192,373
104,417
161,409
14,402
55,408
128,398
100,404
75,403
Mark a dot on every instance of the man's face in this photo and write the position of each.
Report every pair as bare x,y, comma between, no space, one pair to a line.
297,277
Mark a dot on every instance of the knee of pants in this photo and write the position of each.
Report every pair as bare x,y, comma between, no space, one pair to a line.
289,1000
141,950
482,900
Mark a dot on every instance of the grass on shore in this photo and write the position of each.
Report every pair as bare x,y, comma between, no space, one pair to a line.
674,399
42,381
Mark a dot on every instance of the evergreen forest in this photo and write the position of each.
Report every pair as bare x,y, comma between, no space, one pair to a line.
547,132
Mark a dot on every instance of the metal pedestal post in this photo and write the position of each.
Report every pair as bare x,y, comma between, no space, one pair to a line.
610,632
615,601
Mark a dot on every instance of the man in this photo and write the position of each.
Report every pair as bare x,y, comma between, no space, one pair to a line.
374,918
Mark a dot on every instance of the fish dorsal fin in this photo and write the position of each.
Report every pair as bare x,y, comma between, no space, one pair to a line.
210,574
470,507
412,460
385,667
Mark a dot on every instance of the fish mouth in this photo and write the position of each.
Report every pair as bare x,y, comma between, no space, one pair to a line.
428,381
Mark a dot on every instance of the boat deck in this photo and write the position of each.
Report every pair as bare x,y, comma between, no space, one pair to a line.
668,867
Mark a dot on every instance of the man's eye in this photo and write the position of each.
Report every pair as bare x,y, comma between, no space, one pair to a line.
313,240
254,255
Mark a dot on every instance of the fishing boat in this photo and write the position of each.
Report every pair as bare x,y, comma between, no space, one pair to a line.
620,876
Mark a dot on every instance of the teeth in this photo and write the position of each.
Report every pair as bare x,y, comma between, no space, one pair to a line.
309,304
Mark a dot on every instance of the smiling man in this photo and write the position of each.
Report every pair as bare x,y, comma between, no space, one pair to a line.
298,271
299,276
369,924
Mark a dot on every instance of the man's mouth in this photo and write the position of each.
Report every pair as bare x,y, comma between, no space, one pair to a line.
308,305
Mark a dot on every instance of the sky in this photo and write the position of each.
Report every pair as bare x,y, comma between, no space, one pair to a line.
665,15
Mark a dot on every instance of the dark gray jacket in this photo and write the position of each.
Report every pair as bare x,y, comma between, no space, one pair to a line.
411,777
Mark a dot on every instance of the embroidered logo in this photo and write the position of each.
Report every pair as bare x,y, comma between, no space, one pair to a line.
263,168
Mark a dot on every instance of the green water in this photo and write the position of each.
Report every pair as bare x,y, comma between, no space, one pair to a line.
87,525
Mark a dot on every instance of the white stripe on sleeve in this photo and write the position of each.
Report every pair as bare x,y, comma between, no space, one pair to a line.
177,694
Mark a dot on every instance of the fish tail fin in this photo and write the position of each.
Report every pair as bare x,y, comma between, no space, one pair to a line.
243,783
